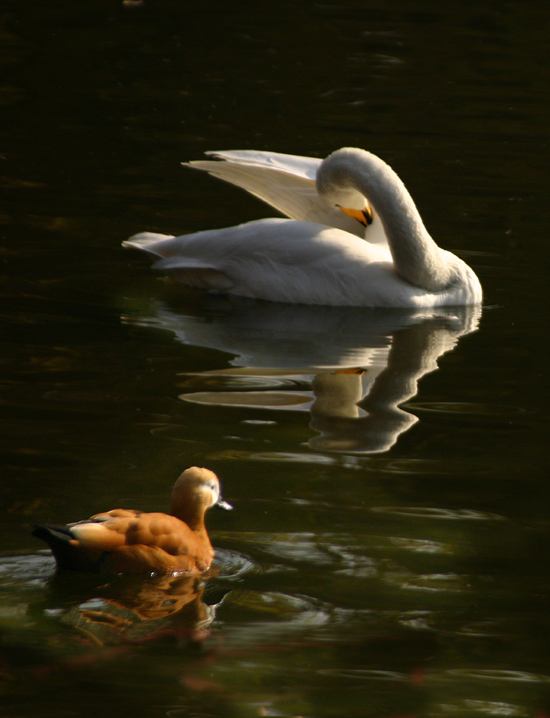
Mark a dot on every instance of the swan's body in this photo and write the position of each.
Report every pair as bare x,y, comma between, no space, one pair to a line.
325,261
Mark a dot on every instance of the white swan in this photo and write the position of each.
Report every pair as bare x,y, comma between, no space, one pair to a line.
321,261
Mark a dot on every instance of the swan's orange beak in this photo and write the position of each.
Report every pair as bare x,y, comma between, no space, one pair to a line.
361,215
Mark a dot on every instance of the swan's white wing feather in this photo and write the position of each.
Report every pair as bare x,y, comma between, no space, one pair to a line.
289,188
305,167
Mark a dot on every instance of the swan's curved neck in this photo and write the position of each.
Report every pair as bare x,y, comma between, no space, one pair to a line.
416,257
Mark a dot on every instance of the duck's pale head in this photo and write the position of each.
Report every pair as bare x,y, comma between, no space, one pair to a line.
196,490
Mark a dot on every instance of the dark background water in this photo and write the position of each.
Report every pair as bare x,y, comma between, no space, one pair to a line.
409,581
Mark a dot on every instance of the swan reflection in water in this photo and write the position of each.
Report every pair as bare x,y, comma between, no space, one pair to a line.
351,368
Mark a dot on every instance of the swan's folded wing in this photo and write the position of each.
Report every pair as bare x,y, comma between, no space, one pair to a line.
287,184
194,273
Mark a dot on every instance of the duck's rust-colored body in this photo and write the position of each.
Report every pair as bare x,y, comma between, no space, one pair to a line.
129,541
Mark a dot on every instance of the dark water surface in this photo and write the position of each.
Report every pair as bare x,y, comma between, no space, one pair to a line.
388,551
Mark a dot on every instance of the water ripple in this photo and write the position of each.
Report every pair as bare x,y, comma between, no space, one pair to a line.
32,569
257,399
425,512
364,674
437,582
430,467
289,457
233,565
498,675
491,708
469,410
218,384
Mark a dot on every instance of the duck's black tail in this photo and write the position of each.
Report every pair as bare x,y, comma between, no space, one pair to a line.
65,548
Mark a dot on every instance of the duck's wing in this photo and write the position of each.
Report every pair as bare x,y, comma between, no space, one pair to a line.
286,182
122,527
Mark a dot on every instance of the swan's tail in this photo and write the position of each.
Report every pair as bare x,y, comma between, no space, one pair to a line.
144,241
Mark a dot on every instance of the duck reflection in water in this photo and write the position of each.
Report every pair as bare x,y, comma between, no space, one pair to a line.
358,365
132,608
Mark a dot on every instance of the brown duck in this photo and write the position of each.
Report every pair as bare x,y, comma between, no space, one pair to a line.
129,541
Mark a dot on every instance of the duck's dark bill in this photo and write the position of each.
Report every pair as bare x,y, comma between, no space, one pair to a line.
221,504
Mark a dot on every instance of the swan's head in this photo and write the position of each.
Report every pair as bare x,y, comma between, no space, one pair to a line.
336,184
